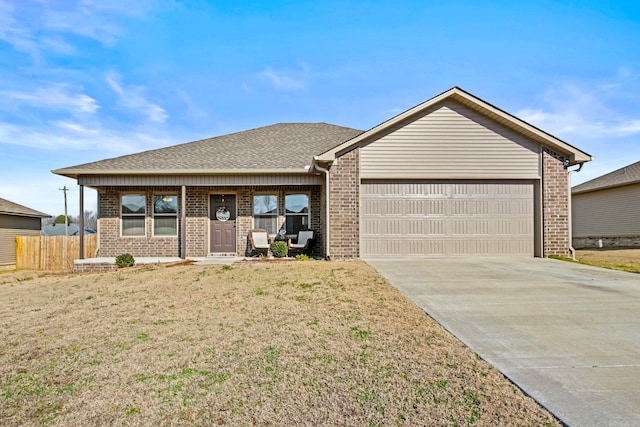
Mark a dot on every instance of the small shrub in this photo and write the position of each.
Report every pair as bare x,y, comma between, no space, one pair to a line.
125,260
279,249
303,257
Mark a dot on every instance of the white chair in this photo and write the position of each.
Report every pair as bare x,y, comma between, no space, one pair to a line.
303,244
260,242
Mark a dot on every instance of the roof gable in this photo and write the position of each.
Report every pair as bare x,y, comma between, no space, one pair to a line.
624,176
450,141
575,155
283,147
10,208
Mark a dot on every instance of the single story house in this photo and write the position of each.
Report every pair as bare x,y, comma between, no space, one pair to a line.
16,220
454,175
605,210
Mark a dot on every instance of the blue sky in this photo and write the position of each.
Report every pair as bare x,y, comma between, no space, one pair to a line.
87,80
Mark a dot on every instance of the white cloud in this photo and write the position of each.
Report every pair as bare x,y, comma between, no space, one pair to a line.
40,27
56,96
66,135
58,45
193,111
289,80
17,34
132,98
84,22
589,110
139,9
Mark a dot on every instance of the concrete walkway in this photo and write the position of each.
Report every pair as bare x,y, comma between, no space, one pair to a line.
567,334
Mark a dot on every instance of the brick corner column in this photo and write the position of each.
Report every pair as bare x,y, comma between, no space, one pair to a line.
344,206
555,210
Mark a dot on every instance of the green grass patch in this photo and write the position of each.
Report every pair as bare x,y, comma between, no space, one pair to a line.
629,268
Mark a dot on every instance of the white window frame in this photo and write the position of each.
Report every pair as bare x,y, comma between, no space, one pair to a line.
272,215
133,215
155,215
307,214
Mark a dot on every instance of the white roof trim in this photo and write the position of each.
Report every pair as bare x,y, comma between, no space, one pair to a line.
74,173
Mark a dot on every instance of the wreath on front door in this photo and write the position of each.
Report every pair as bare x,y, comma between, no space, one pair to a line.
223,214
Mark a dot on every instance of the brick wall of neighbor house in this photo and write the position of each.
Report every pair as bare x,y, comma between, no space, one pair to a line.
344,206
555,211
197,219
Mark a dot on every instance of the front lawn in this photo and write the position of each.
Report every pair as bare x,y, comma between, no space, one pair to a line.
616,259
289,343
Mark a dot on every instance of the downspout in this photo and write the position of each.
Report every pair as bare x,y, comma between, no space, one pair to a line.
327,220
572,250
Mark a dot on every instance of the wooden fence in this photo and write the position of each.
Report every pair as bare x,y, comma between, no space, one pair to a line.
52,253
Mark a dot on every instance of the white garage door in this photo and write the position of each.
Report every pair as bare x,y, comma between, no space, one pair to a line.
447,218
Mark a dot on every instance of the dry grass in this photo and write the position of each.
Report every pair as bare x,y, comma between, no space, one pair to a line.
617,259
295,343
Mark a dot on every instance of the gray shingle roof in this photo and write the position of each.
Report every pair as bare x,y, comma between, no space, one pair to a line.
627,175
280,146
10,208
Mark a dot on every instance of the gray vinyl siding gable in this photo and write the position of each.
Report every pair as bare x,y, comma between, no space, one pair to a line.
610,212
10,227
451,141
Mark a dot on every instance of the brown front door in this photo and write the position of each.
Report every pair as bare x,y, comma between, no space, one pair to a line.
223,223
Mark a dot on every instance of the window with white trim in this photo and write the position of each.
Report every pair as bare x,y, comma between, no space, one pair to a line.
296,212
165,215
265,212
133,211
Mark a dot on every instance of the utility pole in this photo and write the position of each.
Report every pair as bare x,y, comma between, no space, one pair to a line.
66,218
66,227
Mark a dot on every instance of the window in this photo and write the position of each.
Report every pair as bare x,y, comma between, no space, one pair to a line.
133,209
265,212
165,215
296,212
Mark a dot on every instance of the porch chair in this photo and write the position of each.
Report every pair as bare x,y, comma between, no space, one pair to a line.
259,240
303,245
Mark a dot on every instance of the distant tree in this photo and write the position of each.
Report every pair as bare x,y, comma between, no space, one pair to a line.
60,219
90,219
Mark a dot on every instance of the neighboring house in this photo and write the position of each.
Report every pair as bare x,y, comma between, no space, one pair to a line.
16,220
59,230
605,210
452,176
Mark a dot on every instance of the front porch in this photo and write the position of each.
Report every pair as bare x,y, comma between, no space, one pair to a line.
188,222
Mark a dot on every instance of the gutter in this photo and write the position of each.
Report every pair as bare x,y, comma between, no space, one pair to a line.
315,166
74,173
572,250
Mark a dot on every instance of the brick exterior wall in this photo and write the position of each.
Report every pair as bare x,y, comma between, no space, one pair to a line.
555,205
344,210
344,206
112,244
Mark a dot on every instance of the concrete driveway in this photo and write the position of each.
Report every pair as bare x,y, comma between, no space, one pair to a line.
567,334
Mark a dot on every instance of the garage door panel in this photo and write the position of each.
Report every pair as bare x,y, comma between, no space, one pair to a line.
404,247
458,218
